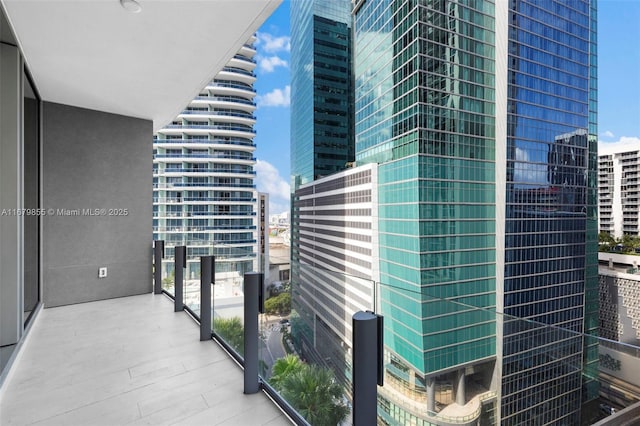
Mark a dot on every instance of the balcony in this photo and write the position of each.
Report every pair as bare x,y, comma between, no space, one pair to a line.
240,143
226,102
130,360
133,360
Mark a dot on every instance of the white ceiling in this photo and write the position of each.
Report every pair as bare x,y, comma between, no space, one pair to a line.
94,54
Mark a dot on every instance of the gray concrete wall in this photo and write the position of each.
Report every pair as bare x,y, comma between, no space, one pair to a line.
94,160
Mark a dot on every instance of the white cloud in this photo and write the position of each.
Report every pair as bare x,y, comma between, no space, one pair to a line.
623,143
268,180
270,63
271,44
275,98
608,134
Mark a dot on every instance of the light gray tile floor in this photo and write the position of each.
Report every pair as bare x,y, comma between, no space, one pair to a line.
128,361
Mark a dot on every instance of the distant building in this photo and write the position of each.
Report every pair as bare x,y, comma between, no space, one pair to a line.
262,235
204,194
279,220
620,326
338,264
619,189
480,120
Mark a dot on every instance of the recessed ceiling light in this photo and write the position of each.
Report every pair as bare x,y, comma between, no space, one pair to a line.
131,6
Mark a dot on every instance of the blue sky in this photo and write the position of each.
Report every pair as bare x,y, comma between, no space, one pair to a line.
618,90
272,124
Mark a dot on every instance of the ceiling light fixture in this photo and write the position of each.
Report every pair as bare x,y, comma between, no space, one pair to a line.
131,6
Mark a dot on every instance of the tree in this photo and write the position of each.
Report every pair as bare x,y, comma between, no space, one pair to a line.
232,331
278,305
314,393
169,280
606,241
630,243
282,368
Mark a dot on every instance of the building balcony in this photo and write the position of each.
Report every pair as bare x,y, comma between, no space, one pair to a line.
225,102
232,90
233,118
214,158
129,360
230,170
239,144
238,74
239,61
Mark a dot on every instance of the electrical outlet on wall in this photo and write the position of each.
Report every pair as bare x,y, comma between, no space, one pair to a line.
102,272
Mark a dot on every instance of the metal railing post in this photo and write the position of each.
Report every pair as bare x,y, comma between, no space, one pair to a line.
158,254
207,277
180,255
252,295
367,366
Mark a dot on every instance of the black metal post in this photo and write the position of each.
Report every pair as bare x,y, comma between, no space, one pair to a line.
366,360
180,255
252,286
207,277
158,254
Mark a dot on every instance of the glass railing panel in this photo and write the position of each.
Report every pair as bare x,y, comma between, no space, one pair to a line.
306,341
449,362
168,273
192,292
228,297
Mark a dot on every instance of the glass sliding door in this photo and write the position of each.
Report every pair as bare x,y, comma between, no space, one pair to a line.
31,132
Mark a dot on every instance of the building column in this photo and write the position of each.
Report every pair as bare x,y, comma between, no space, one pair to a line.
460,389
431,394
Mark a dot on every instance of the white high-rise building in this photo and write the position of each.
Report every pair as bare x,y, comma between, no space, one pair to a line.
619,188
203,172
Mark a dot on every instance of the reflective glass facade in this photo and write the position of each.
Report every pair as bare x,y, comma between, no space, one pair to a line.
447,95
549,201
424,104
321,87
425,110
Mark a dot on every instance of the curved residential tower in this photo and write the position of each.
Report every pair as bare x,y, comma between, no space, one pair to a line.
203,172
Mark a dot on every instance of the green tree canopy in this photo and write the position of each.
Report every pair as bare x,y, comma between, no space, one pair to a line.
278,305
627,244
232,331
283,367
314,393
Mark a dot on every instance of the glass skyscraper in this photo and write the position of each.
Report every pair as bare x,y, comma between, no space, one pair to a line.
482,117
203,173
321,83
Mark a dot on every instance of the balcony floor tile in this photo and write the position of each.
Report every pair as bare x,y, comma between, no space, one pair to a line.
127,361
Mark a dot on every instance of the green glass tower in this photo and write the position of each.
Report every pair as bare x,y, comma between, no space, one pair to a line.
481,116
322,90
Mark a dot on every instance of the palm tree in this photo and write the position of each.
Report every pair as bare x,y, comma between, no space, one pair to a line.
282,368
232,331
314,393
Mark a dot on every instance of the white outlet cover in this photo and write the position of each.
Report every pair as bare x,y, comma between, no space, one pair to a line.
102,272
